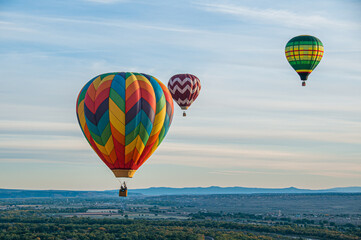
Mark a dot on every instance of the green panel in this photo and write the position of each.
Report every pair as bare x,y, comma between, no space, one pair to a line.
161,135
82,96
117,99
160,104
107,74
96,138
106,134
138,131
143,134
131,136
128,74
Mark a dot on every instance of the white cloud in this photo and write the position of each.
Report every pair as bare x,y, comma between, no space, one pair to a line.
121,23
341,173
9,26
42,143
221,156
281,17
258,160
106,1
271,130
42,161
36,126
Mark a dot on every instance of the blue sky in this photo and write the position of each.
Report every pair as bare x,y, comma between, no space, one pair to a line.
253,124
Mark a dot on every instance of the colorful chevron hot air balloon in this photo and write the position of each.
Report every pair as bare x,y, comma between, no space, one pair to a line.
184,89
304,53
124,116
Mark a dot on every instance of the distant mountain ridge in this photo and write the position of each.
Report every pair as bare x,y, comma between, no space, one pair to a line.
237,190
155,191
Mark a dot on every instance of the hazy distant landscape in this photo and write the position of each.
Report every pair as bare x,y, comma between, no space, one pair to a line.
154,191
103,215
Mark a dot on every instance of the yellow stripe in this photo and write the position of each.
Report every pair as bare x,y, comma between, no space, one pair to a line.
133,78
155,146
118,113
130,147
82,121
158,121
109,77
302,52
312,57
139,145
117,124
304,70
290,49
107,149
81,107
109,146
130,80
106,79
144,79
96,82
307,57
81,114
135,144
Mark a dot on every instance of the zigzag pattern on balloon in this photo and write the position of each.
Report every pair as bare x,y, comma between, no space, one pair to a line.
184,88
164,110
184,102
123,115
96,111
180,82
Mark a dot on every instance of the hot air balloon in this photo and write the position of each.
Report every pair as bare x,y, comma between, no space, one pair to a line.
304,53
184,89
124,116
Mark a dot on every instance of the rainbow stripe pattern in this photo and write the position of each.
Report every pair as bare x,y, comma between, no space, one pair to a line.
304,53
124,116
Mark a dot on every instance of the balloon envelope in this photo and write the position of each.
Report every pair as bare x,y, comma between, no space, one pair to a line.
304,53
184,89
124,116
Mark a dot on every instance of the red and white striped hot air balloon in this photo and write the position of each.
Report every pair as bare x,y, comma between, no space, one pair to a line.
184,89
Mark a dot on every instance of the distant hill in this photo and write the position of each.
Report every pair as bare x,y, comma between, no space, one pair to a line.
18,193
155,191
237,190
344,190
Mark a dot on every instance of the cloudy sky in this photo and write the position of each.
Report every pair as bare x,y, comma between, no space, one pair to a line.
253,125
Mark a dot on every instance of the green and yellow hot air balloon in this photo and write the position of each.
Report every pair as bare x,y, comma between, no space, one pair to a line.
304,53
